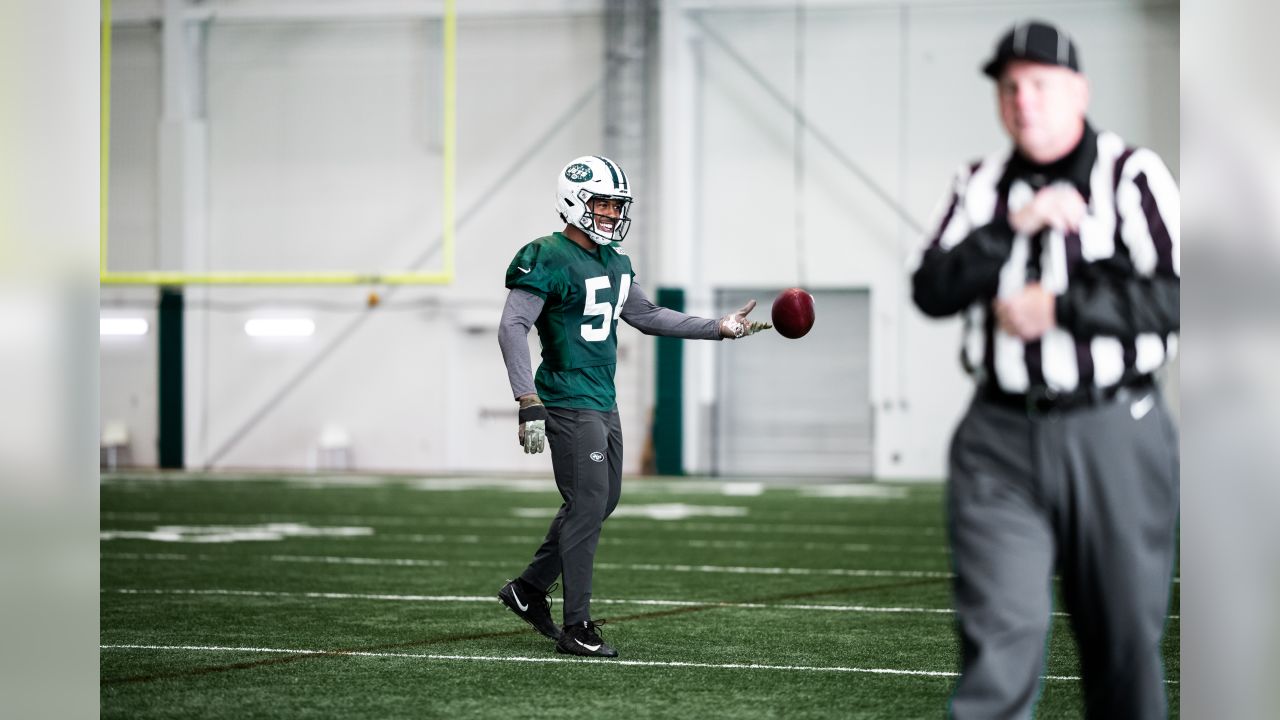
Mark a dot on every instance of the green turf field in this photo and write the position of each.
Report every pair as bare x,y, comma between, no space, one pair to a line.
357,597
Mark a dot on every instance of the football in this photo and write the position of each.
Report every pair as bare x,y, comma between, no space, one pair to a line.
793,313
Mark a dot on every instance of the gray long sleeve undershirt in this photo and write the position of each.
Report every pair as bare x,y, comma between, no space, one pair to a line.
518,315
522,309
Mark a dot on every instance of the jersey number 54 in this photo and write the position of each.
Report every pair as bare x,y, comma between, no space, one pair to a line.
594,308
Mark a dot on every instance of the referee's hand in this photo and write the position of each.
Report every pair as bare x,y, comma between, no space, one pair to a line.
1027,314
1058,207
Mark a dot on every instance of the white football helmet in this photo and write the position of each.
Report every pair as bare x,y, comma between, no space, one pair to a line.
584,179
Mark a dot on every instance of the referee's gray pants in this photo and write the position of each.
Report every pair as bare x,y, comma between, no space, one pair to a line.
1092,492
586,456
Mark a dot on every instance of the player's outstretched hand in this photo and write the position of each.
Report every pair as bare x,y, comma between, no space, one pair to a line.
736,324
533,424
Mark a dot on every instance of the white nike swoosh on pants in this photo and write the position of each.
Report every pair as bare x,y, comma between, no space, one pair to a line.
1140,408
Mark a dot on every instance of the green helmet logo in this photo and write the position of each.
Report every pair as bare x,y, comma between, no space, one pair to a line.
578,172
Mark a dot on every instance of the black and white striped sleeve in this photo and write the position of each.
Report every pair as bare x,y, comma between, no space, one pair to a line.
961,263
1137,289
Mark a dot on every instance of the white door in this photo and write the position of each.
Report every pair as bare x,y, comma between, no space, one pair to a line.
796,407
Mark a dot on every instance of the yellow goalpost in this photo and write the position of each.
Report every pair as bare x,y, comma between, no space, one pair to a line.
436,277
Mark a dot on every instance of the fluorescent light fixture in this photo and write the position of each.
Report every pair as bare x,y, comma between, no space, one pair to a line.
122,326
280,327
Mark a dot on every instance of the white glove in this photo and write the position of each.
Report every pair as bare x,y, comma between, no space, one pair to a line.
736,325
533,424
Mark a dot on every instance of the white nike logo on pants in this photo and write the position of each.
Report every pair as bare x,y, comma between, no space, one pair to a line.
1140,408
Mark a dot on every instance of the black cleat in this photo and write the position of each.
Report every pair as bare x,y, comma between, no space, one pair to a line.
530,606
584,639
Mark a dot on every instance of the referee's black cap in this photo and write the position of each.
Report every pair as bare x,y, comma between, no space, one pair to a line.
1037,41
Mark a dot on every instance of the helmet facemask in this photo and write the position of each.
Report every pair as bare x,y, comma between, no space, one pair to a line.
590,221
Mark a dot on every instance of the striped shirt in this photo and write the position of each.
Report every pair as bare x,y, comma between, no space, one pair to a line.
1115,281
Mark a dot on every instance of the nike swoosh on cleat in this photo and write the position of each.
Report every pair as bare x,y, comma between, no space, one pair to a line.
592,648
519,604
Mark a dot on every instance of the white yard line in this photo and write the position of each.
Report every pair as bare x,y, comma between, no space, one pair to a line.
668,542
473,539
493,598
417,562
154,556
597,601
751,570
798,527
307,595
731,569
607,663
636,485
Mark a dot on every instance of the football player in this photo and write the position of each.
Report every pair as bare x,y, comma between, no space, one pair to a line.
574,286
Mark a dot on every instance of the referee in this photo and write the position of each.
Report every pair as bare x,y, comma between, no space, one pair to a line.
1061,254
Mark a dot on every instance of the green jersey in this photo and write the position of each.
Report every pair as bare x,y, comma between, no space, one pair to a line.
584,292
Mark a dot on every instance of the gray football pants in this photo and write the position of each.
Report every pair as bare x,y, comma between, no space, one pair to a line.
586,456
1093,493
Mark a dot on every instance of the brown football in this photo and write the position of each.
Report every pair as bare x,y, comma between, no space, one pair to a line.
793,313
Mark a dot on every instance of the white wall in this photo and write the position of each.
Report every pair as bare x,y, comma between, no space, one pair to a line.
322,154
135,114
128,364
128,371
897,89
321,157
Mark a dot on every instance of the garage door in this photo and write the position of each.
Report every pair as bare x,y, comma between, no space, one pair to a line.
796,407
